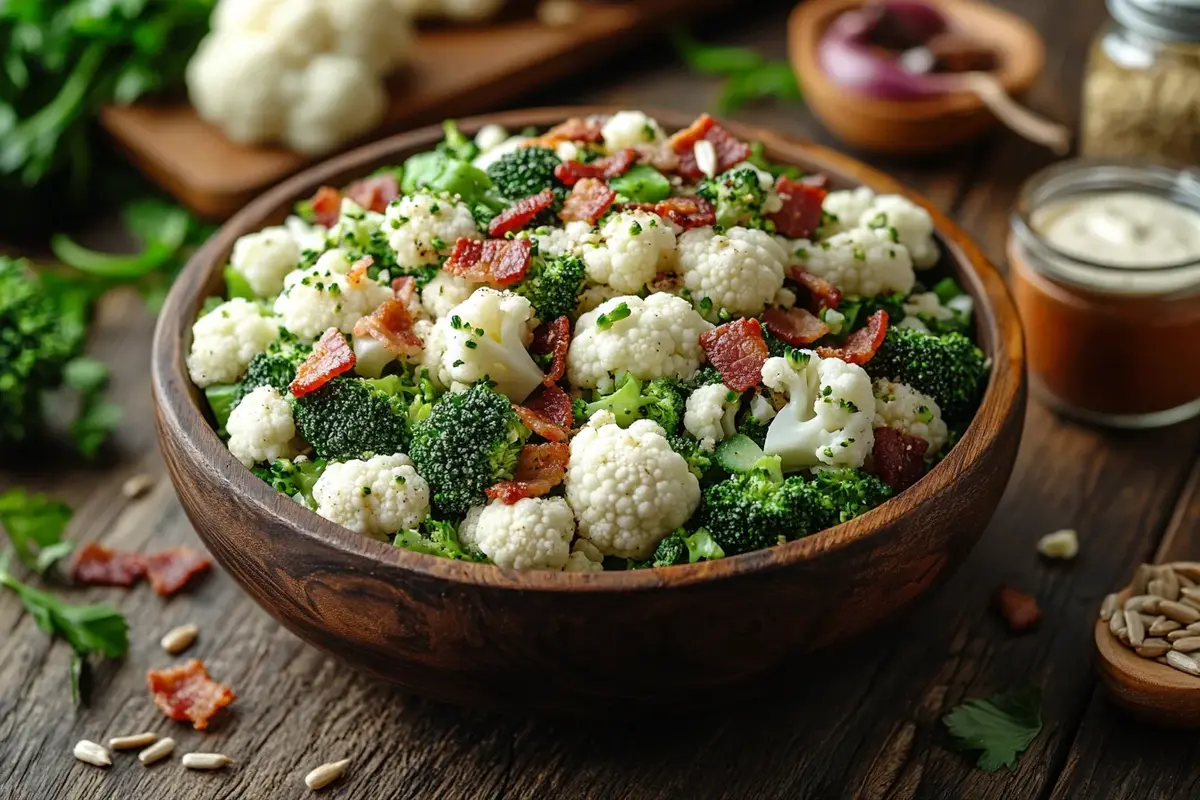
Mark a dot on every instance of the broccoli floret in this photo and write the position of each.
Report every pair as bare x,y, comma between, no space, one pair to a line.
704,376
276,366
757,508
738,197
437,539
847,493
469,441
353,417
754,428
641,184
699,460
680,548
293,478
949,368
661,400
524,172
758,157
855,311
553,285
457,144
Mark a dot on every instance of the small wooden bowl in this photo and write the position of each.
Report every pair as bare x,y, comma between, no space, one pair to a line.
1150,691
599,643
911,126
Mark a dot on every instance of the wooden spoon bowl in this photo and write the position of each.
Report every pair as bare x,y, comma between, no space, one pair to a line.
1149,690
604,643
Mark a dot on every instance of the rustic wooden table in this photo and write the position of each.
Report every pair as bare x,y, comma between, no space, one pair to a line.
862,722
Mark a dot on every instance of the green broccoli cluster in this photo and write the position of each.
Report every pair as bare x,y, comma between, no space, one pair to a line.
848,493
949,367
525,171
276,366
553,285
663,400
738,198
294,478
354,417
682,548
437,539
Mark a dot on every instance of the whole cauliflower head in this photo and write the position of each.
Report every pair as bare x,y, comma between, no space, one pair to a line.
421,228
828,419
261,427
861,262
264,258
444,292
912,225
633,247
628,488
630,129
740,270
376,497
235,82
903,408
377,33
658,337
485,335
532,533
325,296
334,98
225,340
710,414
844,209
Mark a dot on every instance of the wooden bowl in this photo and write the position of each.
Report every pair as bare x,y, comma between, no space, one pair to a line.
912,126
475,634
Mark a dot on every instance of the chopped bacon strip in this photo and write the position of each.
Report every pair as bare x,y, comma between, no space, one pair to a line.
571,172
392,326
170,570
98,565
576,129
685,211
330,357
540,468
540,425
520,213
498,262
588,201
821,293
730,150
897,458
548,413
358,272
860,346
327,206
374,193
801,211
553,338
186,693
738,352
404,287
796,326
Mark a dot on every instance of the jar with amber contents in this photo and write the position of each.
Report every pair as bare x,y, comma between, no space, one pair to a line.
1141,92
1105,269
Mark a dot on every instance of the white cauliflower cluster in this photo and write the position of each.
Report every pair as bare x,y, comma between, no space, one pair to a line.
326,296
226,339
906,222
264,258
658,337
844,209
630,129
740,270
861,262
584,558
924,311
422,228
571,239
903,408
261,428
532,533
628,488
632,247
710,414
376,497
444,292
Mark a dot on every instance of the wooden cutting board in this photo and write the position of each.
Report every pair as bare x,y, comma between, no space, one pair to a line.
455,71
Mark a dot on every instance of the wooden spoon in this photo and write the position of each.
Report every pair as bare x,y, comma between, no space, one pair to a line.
1147,689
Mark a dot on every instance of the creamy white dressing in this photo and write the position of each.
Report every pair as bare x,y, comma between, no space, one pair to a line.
1127,229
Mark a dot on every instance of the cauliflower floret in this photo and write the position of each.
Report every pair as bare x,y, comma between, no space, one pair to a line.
740,270
628,488
658,337
860,262
785,298
376,32
593,297
829,415
261,427
494,153
333,99
631,128
489,136
912,225
633,247
899,406
444,292
422,227
845,209
225,340
263,258
306,236
533,533
324,296
710,414
485,335
926,313
584,558
571,239
376,497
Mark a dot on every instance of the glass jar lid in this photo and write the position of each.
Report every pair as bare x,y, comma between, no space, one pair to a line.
1168,20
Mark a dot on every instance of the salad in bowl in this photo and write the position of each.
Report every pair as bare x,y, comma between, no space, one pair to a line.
603,346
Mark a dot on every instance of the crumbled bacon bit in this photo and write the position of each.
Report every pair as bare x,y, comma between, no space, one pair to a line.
186,693
358,272
520,213
898,458
392,326
374,193
801,212
821,293
570,173
669,282
687,212
326,206
170,570
331,356
738,352
553,338
575,129
405,288
498,262
97,565
1020,610
796,326
547,413
539,469
860,346
730,150
588,201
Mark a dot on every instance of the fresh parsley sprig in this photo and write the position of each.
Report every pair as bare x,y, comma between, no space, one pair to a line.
35,524
1000,727
748,75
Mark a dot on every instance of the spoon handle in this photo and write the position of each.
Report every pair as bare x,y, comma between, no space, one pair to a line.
1032,126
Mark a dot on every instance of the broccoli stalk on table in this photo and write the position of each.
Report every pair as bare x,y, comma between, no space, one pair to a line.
354,417
949,367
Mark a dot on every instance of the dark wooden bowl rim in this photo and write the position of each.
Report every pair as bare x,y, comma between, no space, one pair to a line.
180,416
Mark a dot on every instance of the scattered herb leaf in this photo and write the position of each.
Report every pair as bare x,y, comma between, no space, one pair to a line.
35,524
1001,727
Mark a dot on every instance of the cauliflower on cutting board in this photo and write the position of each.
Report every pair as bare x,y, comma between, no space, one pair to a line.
376,497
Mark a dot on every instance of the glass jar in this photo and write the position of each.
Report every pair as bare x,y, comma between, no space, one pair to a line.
1141,91
1112,324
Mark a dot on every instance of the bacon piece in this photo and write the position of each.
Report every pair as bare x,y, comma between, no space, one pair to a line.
97,565
1020,610
575,129
821,293
588,201
520,213
358,272
548,413
404,287
897,458
539,469
571,172
687,212
498,262
374,193
326,205
796,326
860,346
553,338
170,570
330,357
738,352
730,150
186,693
801,211
391,326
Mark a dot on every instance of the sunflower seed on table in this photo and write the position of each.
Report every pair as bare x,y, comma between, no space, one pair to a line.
206,760
1162,626
1185,582
325,774
1108,607
1183,663
92,753
1063,545
1153,648
1188,644
132,741
1137,628
1157,588
179,639
137,486
157,751
1179,612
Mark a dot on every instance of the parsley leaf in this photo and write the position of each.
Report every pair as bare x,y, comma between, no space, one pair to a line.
35,523
749,76
1001,726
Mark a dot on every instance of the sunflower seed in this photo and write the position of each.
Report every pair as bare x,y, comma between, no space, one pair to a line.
1183,663
206,760
157,751
1108,607
1184,581
1170,583
325,774
92,753
1116,624
1188,644
179,639
1153,648
1179,612
1187,569
706,157
1062,544
1157,587
1137,628
559,13
1195,626
130,742
1162,626
1143,602
1141,579
137,486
